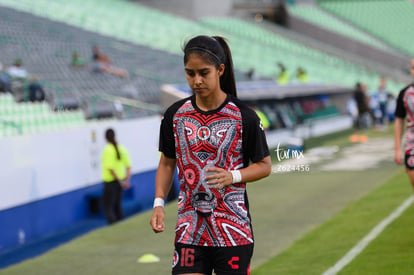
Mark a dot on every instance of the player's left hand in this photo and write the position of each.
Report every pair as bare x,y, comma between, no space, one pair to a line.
220,179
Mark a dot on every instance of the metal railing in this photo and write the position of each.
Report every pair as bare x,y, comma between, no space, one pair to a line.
129,103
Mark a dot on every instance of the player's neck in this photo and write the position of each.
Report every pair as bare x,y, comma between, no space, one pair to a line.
211,102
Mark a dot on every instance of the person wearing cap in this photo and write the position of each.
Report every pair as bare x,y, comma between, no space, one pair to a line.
17,71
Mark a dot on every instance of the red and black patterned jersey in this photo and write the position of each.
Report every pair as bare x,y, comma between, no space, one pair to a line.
405,109
229,137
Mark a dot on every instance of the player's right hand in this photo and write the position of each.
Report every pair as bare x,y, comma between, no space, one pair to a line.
397,157
157,219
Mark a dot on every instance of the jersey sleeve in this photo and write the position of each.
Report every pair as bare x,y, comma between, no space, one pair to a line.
400,110
166,139
254,138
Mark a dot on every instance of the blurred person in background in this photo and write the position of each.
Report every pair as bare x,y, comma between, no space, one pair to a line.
404,112
374,108
251,75
218,144
302,75
77,61
352,110
5,81
379,101
383,99
391,105
25,83
17,70
36,91
283,76
364,120
263,117
116,175
103,64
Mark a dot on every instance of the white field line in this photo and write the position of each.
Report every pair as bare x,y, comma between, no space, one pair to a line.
359,247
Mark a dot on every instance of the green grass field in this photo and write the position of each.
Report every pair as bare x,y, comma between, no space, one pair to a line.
391,253
304,222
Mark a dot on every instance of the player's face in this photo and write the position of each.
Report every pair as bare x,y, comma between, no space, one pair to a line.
412,67
203,78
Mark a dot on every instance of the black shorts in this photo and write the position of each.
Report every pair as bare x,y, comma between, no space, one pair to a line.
409,161
232,260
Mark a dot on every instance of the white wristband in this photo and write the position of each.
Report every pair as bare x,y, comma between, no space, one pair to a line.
159,202
236,176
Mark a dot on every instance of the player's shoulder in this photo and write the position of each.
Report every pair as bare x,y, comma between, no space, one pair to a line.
245,110
173,108
406,88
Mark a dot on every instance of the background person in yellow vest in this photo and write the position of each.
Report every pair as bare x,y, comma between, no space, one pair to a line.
263,119
283,76
301,75
116,174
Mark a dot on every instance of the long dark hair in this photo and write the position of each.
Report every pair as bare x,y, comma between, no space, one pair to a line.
214,50
110,137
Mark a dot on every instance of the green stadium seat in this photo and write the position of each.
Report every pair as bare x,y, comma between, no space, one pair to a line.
323,19
390,21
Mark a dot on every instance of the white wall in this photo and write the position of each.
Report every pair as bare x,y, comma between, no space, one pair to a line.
43,165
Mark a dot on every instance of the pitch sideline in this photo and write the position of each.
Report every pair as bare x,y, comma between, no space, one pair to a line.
360,246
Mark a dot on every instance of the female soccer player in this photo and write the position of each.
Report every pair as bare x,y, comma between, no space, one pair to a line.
405,109
218,144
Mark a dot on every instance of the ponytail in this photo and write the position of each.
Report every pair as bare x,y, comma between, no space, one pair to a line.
110,137
227,80
214,50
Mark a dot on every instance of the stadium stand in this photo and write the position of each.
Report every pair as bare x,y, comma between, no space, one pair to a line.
168,33
138,23
331,38
143,46
270,48
324,19
31,118
365,14
46,48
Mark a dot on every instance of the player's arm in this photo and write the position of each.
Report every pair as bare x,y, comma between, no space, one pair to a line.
258,152
398,131
261,165
163,182
253,172
257,170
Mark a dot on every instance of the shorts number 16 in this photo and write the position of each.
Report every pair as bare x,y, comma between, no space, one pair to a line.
187,257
